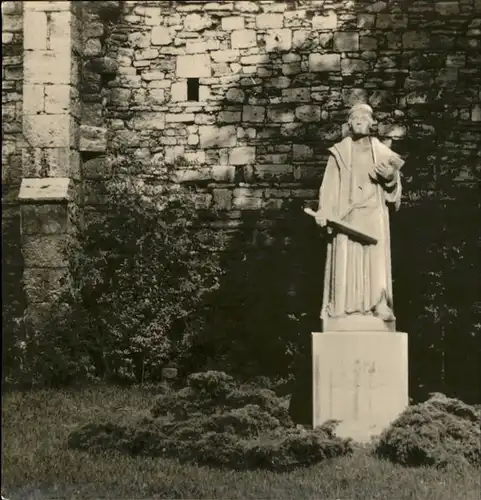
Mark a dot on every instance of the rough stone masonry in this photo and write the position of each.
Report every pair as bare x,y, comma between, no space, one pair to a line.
250,93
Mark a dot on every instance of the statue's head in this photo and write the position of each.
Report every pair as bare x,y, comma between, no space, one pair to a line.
360,119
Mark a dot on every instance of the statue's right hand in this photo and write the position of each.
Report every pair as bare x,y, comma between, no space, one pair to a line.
319,216
321,219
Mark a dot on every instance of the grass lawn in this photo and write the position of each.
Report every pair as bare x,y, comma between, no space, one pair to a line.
36,464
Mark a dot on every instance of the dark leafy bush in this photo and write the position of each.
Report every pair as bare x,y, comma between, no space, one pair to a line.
438,432
211,383
141,271
214,421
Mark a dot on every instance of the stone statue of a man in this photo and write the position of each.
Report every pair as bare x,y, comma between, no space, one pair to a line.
361,179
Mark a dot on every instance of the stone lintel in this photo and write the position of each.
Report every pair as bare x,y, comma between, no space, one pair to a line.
46,190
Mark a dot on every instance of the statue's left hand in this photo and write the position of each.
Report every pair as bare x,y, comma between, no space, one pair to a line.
385,170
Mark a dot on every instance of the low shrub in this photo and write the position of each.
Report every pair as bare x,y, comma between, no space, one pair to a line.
214,421
439,432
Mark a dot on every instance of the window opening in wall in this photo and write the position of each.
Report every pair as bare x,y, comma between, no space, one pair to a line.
192,89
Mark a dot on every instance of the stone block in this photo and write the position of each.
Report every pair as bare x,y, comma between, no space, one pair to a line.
217,137
47,67
391,21
476,113
7,38
93,139
346,41
104,66
222,199
231,23
61,28
145,55
278,40
179,118
178,92
194,66
162,35
120,97
11,7
247,203
92,48
302,152
368,43
151,76
243,39
246,6
324,62
35,30
447,8
416,97
269,21
354,96
44,284
415,40
149,121
47,6
229,117
49,218
327,21
235,95
349,66
254,114
275,173
48,131
50,162
197,22
361,379
457,60
44,251
96,168
156,96
219,6
299,38
192,175
12,24
202,201
172,154
242,155
126,139
57,99
280,115
49,189
220,56
33,99
223,173
308,113
301,94
366,21
193,140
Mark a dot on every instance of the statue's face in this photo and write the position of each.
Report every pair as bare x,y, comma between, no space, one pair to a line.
360,124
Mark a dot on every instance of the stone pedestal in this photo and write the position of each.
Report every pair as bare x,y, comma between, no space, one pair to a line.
359,378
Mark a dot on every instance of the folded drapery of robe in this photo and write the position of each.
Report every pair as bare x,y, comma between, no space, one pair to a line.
346,228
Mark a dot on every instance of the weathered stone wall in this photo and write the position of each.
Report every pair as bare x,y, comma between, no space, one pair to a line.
252,93
50,153
275,79
12,90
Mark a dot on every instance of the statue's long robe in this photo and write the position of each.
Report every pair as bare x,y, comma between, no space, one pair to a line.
358,277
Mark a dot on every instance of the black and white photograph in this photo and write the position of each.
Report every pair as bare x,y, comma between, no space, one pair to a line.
241,249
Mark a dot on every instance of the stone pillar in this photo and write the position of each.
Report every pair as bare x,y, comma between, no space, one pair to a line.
50,156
